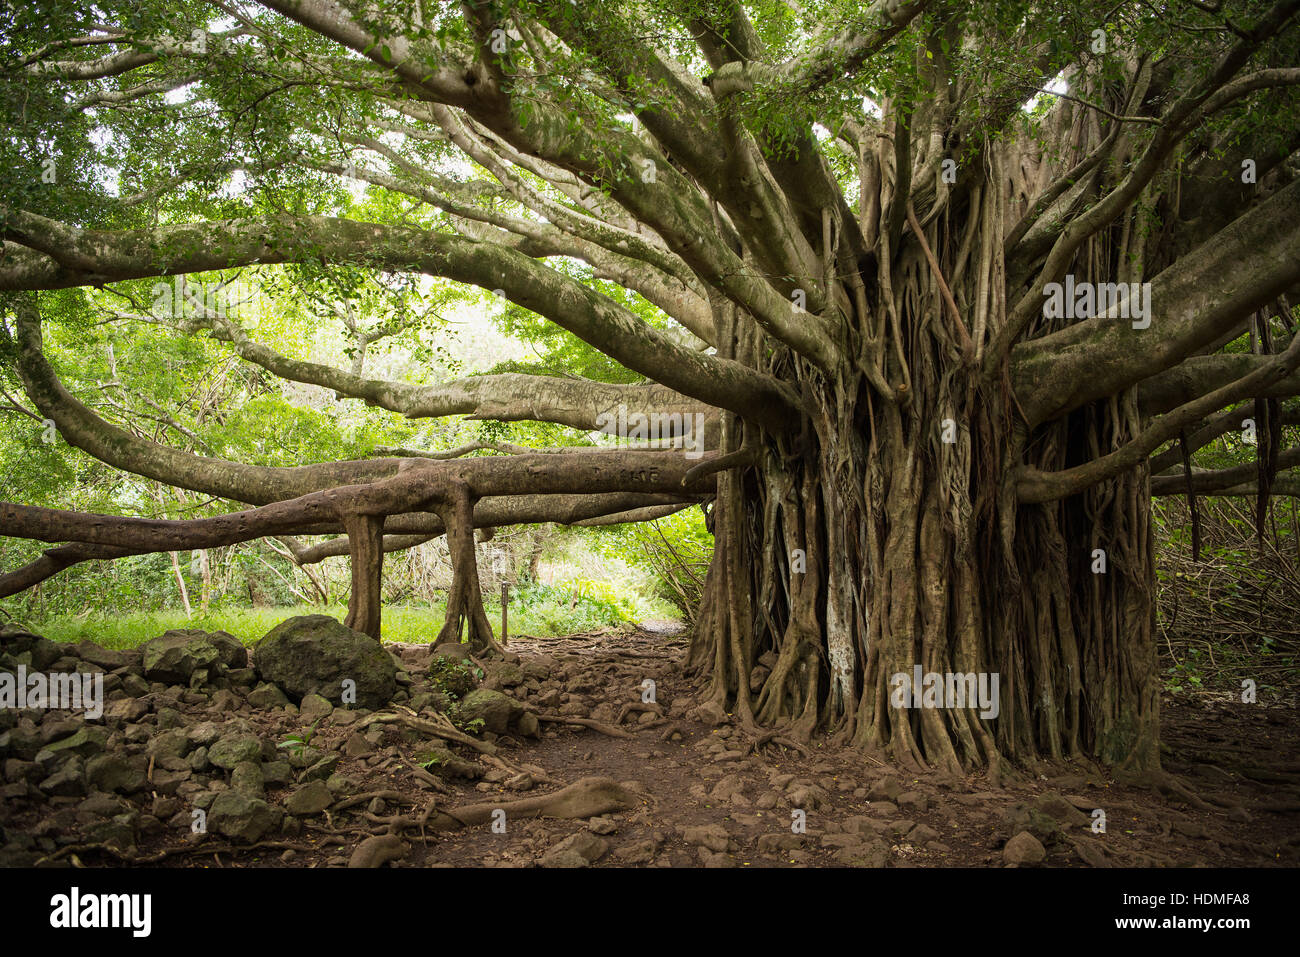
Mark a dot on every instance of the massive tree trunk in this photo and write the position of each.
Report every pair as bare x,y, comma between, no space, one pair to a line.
888,536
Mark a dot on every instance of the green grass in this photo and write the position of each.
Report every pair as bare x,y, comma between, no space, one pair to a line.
538,611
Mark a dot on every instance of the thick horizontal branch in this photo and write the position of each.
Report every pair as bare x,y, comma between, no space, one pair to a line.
75,257
1243,268
1216,481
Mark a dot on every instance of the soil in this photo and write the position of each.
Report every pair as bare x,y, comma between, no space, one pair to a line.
704,796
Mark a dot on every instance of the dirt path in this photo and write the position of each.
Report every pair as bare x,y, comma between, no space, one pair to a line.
703,797
714,805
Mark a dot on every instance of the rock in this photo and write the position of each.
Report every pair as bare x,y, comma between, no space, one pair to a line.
922,834
170,744
225,701
15,769
1060,809
1043,827
321,768
67,781
105,658
314,706
528,725
314,654
112,772
118,832
913,802
126,710
266,696
493,708
247,779
168,782
357,746
539,668
1024,848
341,785
886,789
587,847
174,656
233,749
506,675
868,854
309,800
712,836
642,852
775,844
241,818
276,773
86,742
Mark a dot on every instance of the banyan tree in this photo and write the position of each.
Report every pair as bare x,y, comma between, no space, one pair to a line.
955,288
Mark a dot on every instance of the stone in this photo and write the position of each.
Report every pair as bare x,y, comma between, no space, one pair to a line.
493,708
266,696
174,656
712,836
913,802
774,844
507,675
232,749
67,781
357,746
586,846
241,818
886,789
1024,848
314,706
276,773
1060,809
86,742
170,744
868,854
321,768
922,834
642,852
314,654
309,800
247,779
112,772
106,658
126,710
528,725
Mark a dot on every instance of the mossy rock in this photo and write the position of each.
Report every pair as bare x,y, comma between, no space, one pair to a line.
315,654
